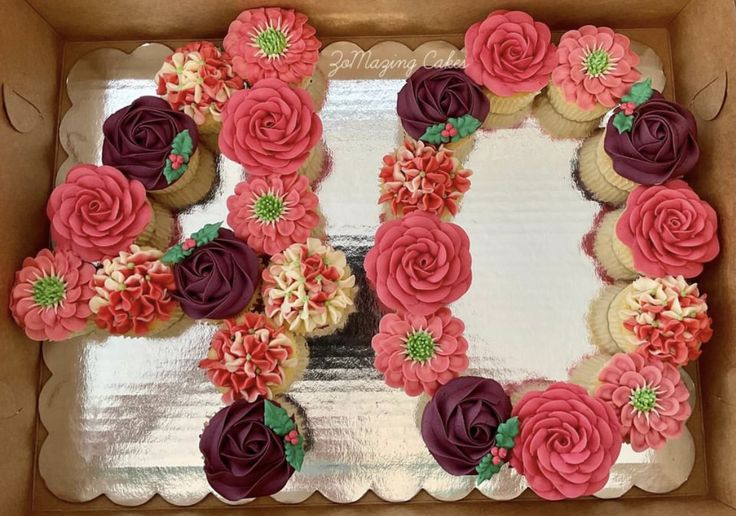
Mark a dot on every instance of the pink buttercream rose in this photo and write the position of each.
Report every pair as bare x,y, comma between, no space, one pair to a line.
669,229
567,442
509,53
270,128
595,65
419,263
97,212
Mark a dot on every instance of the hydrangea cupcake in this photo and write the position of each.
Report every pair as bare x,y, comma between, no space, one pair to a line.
309,289
443,107
198,79
664,319
275,43
512,56
420,354
50,296
150,142
272,212
134,293
648,141
272,129
250,358
98,212
216,273
665,230
595,68
418,177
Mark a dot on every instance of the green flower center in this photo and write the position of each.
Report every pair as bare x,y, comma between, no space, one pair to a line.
272,42
643,399
597,62
420,346
268,208
49,291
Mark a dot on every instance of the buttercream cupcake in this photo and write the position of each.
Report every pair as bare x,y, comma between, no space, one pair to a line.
665,230
134,293
419,264
50,296
647,141
272,128
418,177
595,68
512,56
443,107
216,274
198,79
272,212
98,212
275,43
309,289
152,143
665,319
251,449
250,358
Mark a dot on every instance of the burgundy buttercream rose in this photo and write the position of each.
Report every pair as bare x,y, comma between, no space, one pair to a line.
419,263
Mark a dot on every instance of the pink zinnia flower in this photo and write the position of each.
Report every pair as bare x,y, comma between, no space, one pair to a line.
272,212
419,354
648,396
595,66
51,293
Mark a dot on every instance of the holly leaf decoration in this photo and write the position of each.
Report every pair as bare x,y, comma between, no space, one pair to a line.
276,418
207,234
170,174
465,125
486,469
639,93
183,146
507,432
295,454
175,254
623,122
433,134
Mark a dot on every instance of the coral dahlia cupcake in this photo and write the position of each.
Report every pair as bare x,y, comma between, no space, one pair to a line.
442,106
50,296
649,397
98,212
198,79
665,230
272,212
418,177
512,56
309,289
595,68
134,293
419,354
153,143
272,128
664,319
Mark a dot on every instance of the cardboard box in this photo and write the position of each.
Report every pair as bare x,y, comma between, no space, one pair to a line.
40,41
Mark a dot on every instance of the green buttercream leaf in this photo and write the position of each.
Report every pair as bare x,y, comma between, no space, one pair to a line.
295,454
639,93
486,469
182,145
276,418
175,254
432,134
507,432
465,125
172,175
623,122
207,234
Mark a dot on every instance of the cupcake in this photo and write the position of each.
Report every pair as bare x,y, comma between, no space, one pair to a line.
648,141
216,274
152,143
512,56
251,449
418,177
250,358
97,212
595,68
665,319
309,289
275,43
272,212
665,230
443,107
198,79
134,294
50,296
272,129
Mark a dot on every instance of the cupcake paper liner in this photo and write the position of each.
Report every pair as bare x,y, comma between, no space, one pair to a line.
507,121
209,132
598,321
462,148
605,165
612,254
512,104
570,110
594,179
316,86
313,166
193,186
158,232
294,373
620,335
585,373
556,125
